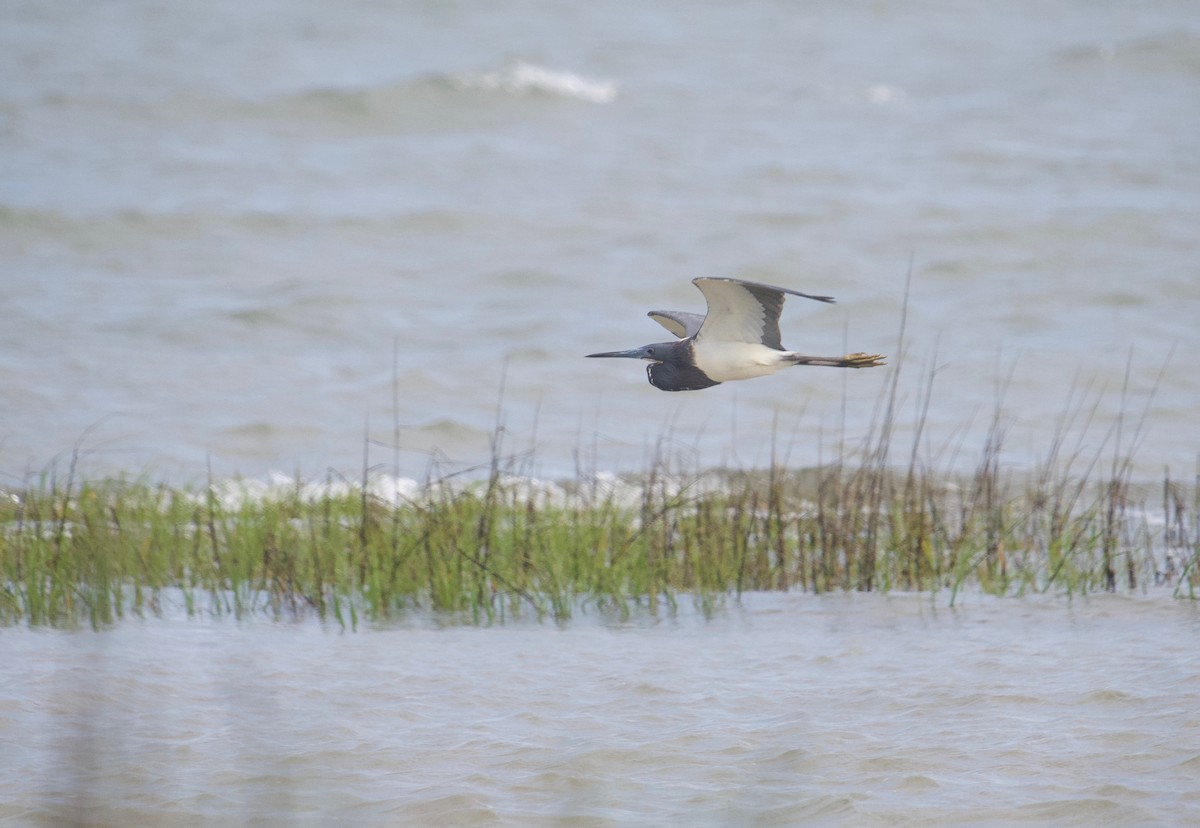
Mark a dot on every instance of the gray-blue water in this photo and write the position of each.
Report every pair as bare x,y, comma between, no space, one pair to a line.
854,710
247,235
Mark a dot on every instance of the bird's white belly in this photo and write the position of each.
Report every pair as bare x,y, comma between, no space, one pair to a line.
727,361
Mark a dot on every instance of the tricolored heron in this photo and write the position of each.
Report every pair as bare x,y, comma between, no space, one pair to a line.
737,339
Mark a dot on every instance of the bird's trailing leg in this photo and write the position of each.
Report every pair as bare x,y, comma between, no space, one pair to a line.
859,360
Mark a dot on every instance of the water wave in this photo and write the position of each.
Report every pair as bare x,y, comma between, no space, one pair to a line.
423,102
522,78
427,102
1168,52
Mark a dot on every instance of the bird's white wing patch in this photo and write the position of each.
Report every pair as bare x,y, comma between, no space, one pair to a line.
740,312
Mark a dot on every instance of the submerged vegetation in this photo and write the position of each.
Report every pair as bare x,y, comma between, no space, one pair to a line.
508,544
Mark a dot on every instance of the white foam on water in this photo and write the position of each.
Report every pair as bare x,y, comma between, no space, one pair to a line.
523,78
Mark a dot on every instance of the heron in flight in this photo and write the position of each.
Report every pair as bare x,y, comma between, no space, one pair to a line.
737,339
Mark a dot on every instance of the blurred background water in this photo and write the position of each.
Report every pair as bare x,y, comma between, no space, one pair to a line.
247,235
840,709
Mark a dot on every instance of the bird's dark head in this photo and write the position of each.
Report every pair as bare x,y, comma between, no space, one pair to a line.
671,367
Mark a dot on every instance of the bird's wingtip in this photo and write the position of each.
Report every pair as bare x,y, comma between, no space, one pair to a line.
762,285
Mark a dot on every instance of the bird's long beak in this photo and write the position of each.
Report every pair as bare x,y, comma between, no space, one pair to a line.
632,353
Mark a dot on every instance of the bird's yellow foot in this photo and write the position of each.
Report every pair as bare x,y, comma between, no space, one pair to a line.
861,360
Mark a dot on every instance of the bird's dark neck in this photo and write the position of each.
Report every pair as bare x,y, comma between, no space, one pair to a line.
679,372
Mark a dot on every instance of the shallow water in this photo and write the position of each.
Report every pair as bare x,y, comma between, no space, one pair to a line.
219,222
784,709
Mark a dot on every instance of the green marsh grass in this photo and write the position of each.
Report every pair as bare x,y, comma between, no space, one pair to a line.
502,544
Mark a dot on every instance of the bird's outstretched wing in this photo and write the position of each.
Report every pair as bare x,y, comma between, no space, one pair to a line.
680,323
741,311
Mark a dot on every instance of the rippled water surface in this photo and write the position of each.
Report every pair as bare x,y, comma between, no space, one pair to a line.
782,710
241,237
247,235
